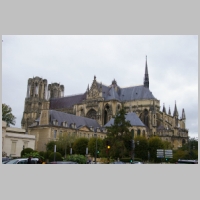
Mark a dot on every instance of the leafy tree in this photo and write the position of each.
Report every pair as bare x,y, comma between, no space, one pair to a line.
141,147
119,136
65,142
7,115
154,144
80,145
92,146
188,151
50,145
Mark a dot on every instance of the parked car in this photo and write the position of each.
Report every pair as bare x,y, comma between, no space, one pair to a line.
137,162
62,162
180,161
5,159
22,161
117,162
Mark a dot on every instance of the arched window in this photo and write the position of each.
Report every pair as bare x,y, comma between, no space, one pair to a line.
91,114
138,132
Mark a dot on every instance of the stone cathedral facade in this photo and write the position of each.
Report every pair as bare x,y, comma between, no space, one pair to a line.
102,102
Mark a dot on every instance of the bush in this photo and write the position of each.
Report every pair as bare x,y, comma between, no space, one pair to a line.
58,157
26,151
80,159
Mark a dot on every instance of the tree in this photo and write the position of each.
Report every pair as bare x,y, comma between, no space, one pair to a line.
141,147
50,146
80,145
154,144
92,146
7,115
65,142
119,136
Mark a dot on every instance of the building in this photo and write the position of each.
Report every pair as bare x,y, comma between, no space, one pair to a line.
14,140
51,124
137,126
101,102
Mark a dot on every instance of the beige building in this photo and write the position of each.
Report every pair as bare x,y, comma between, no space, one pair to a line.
102,102
51,124
14,140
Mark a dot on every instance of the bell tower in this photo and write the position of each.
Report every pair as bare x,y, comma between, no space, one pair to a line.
36,94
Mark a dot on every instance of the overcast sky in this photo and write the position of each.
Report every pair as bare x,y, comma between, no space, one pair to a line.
73,60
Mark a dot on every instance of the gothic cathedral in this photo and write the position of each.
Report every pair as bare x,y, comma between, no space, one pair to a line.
101,102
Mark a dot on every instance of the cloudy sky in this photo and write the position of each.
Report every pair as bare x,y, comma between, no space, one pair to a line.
73,60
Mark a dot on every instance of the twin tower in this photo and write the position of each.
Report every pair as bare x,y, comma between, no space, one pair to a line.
38,91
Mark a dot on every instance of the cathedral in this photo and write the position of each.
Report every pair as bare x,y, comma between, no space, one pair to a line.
101,103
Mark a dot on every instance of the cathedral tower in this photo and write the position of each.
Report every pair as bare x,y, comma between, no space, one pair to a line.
36,94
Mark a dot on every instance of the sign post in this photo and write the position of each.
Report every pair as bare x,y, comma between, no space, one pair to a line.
54,153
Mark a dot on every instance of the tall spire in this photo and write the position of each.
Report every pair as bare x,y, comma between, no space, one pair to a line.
175,110
169,112
164,110
146,76
183,114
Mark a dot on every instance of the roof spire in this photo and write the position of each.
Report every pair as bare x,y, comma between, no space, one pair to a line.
146,75
175,110
183,114
169,112
88,88
164,110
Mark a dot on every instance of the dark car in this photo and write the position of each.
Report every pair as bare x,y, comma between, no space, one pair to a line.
62,162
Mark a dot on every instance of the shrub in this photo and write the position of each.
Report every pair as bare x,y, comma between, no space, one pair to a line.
26,151
80,159
58,157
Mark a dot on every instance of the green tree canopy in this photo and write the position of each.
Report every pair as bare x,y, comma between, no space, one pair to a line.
92,146
141,147
80,145
119,136
154,144
7,115
65,141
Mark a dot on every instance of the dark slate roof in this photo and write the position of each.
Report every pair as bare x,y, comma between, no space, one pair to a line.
132,117
70,118
66,102
126,94
108,92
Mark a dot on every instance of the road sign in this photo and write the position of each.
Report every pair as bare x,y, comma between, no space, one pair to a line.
160,153
168,153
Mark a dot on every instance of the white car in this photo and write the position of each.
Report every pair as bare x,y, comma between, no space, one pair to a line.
137,162
22,161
